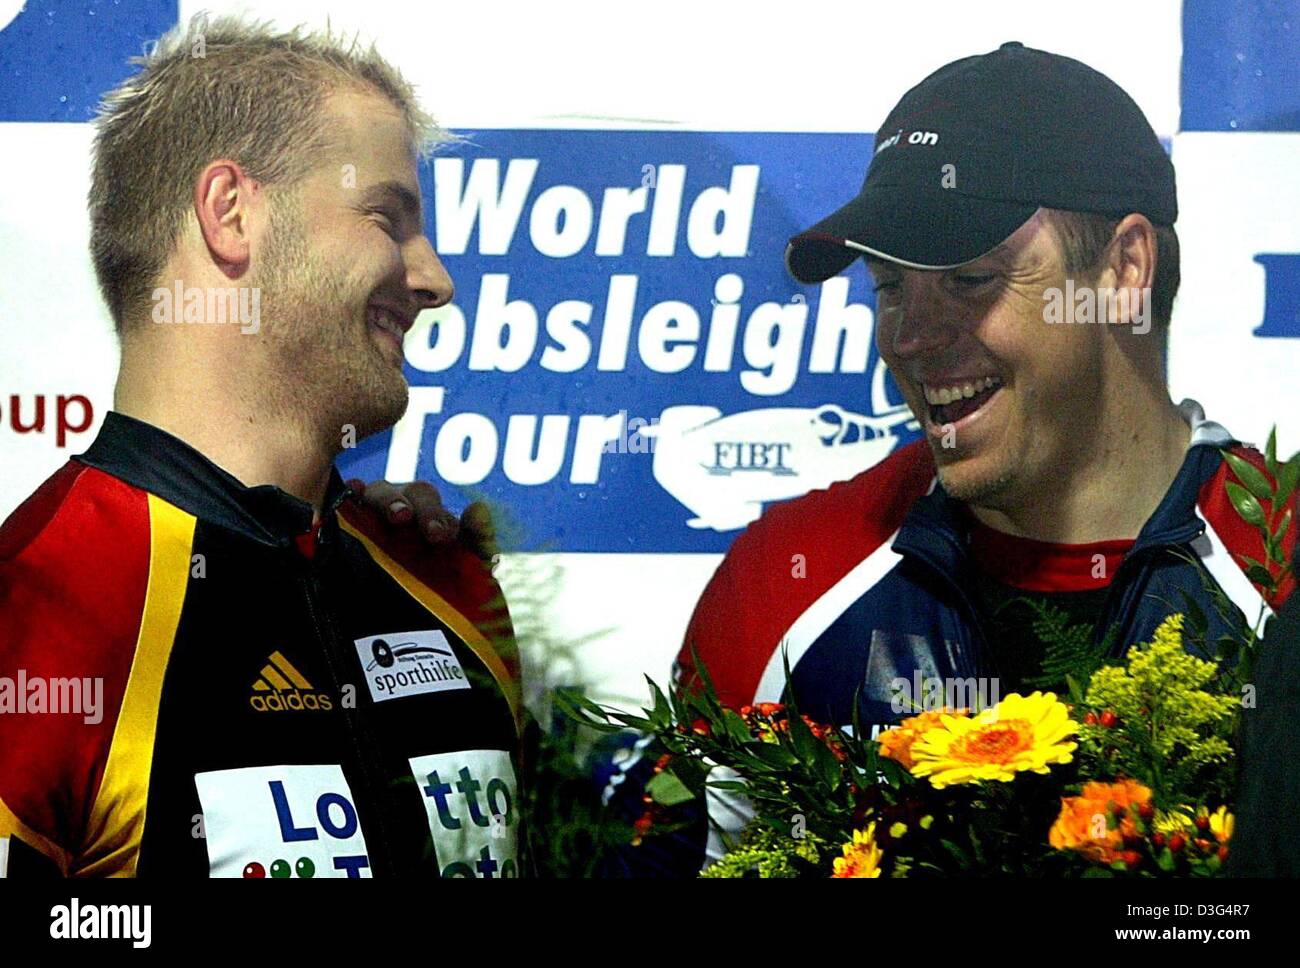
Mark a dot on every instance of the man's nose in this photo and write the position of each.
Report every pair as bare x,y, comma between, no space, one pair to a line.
927,320
426,276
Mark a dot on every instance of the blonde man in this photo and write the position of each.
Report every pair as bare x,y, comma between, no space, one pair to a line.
212,668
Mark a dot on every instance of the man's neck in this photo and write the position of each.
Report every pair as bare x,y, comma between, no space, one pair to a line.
238,432
1113,489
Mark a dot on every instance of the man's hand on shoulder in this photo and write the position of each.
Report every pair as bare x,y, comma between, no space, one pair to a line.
419,505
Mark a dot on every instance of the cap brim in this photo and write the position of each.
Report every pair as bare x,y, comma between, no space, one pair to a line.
939,230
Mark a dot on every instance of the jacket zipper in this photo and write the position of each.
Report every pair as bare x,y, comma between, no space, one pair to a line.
381,860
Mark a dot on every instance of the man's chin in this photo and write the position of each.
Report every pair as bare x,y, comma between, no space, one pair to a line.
381,407
964,480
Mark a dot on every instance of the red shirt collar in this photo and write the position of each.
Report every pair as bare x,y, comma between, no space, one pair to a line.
1045,566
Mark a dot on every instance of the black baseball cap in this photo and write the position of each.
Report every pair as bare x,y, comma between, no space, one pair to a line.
969,154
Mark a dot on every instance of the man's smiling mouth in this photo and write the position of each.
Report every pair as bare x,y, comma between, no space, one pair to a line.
954,399
389,322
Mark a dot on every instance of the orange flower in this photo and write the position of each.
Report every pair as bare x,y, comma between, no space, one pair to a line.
1083,823
896,743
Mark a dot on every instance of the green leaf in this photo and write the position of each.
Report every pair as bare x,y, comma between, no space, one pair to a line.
962,857
734,725
662,713
1275,543
1258,574
1270,451
1250,475
734,786
827,766
804,742
668,790
1165,860
1245,504
773,756
580,709
1076,691
1197,623
1228,647
1287,478
1069,651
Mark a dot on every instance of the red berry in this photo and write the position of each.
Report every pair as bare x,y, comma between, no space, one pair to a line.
1176,842
1146,811
1131,858
1090,719
1158,839
1202,822
1108,719
1203,844
1223,852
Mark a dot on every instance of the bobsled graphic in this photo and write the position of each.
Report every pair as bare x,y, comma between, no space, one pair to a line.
725,468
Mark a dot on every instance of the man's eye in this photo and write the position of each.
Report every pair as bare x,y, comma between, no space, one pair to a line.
386,221
887,286
974,281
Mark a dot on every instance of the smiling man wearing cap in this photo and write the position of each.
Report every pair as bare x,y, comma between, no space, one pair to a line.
1056,471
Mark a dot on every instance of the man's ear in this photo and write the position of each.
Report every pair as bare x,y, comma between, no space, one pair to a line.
224,199
1130,272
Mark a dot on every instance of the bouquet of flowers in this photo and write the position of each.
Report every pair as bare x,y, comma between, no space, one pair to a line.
1130,772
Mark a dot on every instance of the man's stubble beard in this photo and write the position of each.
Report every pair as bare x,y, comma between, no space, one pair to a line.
982,491
991,488
327,372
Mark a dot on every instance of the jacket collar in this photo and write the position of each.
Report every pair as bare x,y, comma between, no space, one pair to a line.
936,527
146,457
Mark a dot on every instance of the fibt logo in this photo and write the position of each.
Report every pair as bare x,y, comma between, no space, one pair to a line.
724,469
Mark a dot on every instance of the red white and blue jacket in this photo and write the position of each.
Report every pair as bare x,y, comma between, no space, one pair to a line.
861,585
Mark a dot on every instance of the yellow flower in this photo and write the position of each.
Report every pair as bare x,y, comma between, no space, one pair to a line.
861,855
1019,734
1222,824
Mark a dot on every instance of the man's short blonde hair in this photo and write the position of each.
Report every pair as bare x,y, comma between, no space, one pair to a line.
209,89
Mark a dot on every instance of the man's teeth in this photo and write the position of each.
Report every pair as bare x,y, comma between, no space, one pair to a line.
945,395
385,320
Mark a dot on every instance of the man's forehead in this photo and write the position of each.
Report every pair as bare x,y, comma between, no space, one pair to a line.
369,125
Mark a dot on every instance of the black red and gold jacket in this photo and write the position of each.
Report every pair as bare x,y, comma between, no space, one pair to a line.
195,681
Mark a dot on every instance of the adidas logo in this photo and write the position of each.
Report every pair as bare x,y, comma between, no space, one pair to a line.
282,688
